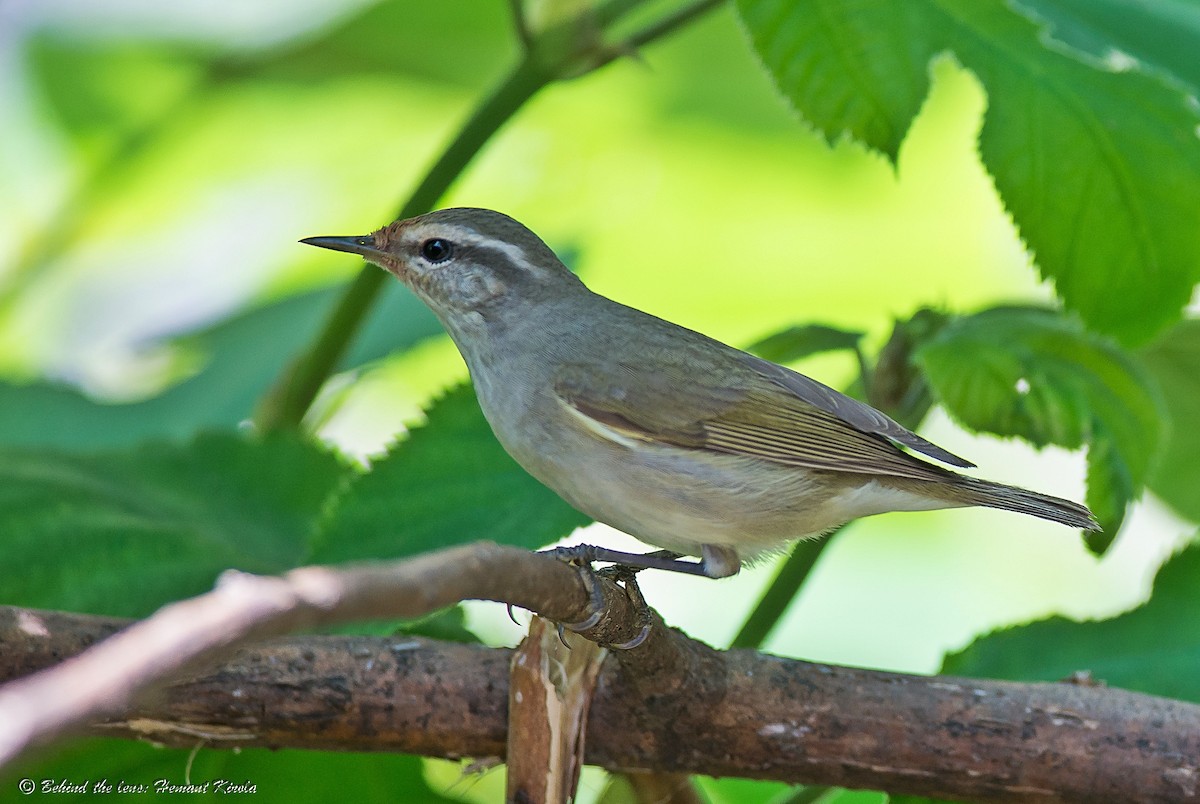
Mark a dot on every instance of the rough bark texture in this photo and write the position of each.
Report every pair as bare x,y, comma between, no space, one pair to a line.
673,705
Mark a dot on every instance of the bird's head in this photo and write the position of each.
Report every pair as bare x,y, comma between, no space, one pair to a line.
463,260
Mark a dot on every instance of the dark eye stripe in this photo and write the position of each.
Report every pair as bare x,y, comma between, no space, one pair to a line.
501,262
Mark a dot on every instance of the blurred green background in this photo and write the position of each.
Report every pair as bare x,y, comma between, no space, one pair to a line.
158,163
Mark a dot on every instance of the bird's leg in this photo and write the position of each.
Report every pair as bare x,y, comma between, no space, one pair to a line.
716,561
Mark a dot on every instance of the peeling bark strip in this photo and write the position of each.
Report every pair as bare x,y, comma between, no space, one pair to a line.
549,696
671,705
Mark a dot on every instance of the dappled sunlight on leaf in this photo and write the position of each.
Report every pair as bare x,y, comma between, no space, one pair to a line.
1099,168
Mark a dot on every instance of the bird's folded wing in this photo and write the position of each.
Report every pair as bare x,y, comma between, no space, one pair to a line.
859,414
761,420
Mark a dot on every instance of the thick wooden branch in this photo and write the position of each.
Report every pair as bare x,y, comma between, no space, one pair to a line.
187,635
672,705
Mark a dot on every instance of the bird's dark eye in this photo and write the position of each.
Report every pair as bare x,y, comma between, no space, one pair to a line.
436,250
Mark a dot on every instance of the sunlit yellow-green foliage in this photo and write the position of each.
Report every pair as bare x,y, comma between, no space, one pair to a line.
706,202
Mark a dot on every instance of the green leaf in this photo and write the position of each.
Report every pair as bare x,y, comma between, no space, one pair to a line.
1099,168
1161,34
449,482
1154,648
1036,374
105,95
447,625
105,87
1111,488
795,343
1174,362
287,775
839,65
241,357
728,790
123,532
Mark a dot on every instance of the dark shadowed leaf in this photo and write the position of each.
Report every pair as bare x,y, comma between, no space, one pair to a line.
123,532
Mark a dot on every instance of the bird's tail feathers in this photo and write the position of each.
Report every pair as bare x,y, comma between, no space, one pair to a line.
1023,501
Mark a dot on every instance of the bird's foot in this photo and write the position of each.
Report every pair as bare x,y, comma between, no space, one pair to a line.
623,576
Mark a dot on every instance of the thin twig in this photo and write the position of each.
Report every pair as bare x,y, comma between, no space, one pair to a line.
780,593
659,28
521,23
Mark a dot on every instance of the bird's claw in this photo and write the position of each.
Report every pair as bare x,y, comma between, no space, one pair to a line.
558,628
630,644
626,577
595,600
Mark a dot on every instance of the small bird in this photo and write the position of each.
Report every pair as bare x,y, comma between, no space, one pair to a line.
675,438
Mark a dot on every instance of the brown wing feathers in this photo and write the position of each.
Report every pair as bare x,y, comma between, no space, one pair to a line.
790,431
858,414
772,425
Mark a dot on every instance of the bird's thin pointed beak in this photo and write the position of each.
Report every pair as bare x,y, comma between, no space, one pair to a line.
363,245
